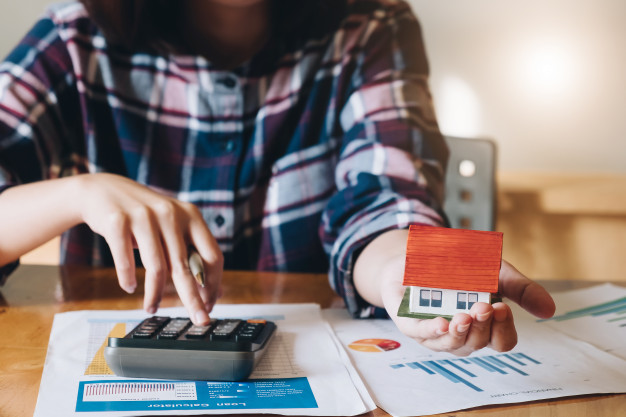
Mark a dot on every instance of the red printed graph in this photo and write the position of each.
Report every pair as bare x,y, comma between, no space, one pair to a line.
126,388
139,391
374,345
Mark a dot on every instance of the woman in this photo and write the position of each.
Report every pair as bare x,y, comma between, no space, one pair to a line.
272,135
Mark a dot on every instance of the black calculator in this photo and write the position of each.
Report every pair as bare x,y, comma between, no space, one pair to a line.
175,348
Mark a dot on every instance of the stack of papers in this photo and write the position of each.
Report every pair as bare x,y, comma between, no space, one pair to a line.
309,368
404,378
596,315
303,371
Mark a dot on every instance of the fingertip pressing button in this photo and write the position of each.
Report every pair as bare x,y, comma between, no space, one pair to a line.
201,318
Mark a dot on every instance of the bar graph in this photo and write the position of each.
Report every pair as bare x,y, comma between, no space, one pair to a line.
614,307
138,391
468,371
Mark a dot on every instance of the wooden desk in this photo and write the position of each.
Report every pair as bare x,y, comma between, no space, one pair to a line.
33,294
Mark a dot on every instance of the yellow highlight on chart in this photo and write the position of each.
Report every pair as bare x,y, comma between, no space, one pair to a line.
98,365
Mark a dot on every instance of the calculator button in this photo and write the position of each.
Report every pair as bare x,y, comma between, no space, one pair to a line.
245,337
177,325
142,335
224,329
151,329
197,332
168,335
173,329
249,331
252,328
154,322
226,326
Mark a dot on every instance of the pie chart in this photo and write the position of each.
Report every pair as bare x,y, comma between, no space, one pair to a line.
374,345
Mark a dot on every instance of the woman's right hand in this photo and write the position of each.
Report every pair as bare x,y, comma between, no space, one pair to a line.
128,215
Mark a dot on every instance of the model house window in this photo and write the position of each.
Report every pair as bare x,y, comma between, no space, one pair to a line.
465,301
436,299
471,299
461,300
430,298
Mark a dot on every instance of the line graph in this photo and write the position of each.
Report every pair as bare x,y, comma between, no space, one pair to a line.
617,307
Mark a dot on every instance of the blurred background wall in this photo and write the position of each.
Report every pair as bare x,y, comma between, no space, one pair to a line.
546,80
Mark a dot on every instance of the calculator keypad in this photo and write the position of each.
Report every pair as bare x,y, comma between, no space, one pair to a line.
166,328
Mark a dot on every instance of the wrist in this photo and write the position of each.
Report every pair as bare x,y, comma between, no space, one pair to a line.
380,265
77,191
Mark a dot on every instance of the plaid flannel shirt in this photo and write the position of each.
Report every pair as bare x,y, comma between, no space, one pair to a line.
296,159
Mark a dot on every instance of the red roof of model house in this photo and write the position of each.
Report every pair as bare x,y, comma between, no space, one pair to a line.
456,259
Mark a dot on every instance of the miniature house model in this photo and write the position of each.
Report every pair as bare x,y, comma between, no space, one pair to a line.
448,270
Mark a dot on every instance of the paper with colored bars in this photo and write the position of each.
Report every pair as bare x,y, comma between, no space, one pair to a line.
596,315
409,379
302,372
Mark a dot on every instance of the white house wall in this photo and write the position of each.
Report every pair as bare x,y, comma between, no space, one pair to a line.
448,301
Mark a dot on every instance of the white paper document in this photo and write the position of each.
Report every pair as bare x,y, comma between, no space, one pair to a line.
408,379
596,315
301,373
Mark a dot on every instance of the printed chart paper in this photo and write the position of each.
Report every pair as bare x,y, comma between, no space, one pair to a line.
596,315
408,379
301,373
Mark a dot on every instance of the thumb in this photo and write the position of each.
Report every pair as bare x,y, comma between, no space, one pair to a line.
531,296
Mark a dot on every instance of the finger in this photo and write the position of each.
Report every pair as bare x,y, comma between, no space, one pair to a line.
174,251
188,292
170,218
211,254
422,330
148,237
525,292
503,333
120,244
417,329
454,339
480,330
437,334
209,298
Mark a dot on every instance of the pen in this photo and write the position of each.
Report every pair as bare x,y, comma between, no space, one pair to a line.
196,266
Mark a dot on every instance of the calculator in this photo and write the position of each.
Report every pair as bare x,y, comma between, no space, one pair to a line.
175,348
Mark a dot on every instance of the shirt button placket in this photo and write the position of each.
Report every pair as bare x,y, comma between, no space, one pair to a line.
227,86
227,81
227,145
